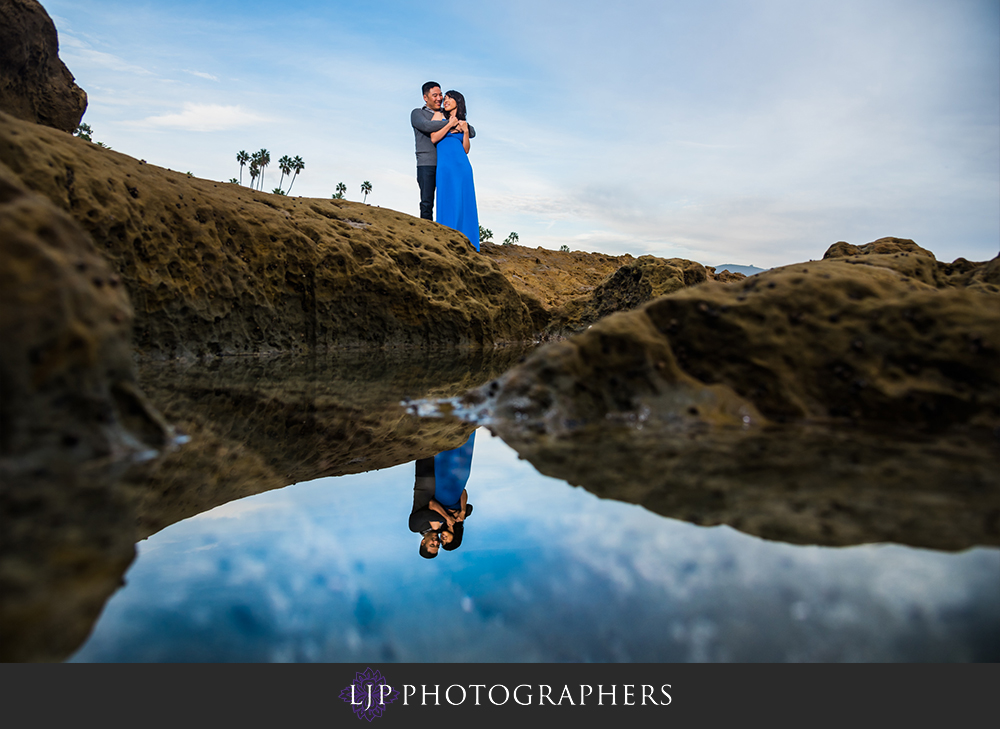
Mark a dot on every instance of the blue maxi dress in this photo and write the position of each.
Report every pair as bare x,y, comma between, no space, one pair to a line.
456,192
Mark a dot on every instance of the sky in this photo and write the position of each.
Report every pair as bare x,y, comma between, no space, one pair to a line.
722,131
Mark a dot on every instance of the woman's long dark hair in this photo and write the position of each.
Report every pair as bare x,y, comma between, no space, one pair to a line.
458,531
461,104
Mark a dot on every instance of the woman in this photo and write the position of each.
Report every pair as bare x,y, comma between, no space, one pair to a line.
456,193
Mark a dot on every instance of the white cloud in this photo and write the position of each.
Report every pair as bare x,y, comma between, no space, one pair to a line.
202,74
76,52
205,118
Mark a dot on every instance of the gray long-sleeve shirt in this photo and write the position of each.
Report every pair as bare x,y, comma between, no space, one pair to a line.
423,127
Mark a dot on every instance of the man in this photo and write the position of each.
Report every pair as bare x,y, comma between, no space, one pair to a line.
440,500
423,127
424,517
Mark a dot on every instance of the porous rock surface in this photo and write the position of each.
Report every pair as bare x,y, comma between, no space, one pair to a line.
566,291
214,268
71,416
67,378
887,334
34,84
633,284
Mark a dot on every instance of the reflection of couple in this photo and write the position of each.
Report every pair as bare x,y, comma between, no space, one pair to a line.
442,140
440,501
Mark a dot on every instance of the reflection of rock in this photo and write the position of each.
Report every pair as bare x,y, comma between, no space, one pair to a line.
66,373
34,84
880,337
215,268
803,484
255,424
259,424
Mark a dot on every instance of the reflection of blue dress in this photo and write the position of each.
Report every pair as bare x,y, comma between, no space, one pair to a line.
451,471
456,193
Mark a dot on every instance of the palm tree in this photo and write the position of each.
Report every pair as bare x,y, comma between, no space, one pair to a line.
265,160
297,166
242,157
285,165
366,188
254,165
341,189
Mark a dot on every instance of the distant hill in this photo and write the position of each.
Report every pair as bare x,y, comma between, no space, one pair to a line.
745,270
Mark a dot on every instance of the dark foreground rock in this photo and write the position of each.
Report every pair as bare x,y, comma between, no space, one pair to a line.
72,419
67,379
66,542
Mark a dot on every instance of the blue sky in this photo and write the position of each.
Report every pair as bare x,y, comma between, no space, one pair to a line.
723,131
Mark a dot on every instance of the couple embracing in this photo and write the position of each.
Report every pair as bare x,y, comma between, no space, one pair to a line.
440,500
442,138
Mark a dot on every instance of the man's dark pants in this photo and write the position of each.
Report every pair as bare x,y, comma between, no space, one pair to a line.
426,178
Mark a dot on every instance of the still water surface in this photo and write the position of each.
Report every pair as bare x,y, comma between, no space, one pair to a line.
327,570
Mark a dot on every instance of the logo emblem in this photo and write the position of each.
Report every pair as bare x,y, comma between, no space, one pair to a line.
369,694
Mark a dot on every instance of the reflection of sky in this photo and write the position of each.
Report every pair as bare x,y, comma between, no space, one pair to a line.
328,571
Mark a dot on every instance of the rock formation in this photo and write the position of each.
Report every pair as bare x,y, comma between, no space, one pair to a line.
214,268
69,393
633,284
566,291
67,539
34,84
877,366
875,336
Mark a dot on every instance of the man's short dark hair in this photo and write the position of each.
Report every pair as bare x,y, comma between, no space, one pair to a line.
425,89
425,553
